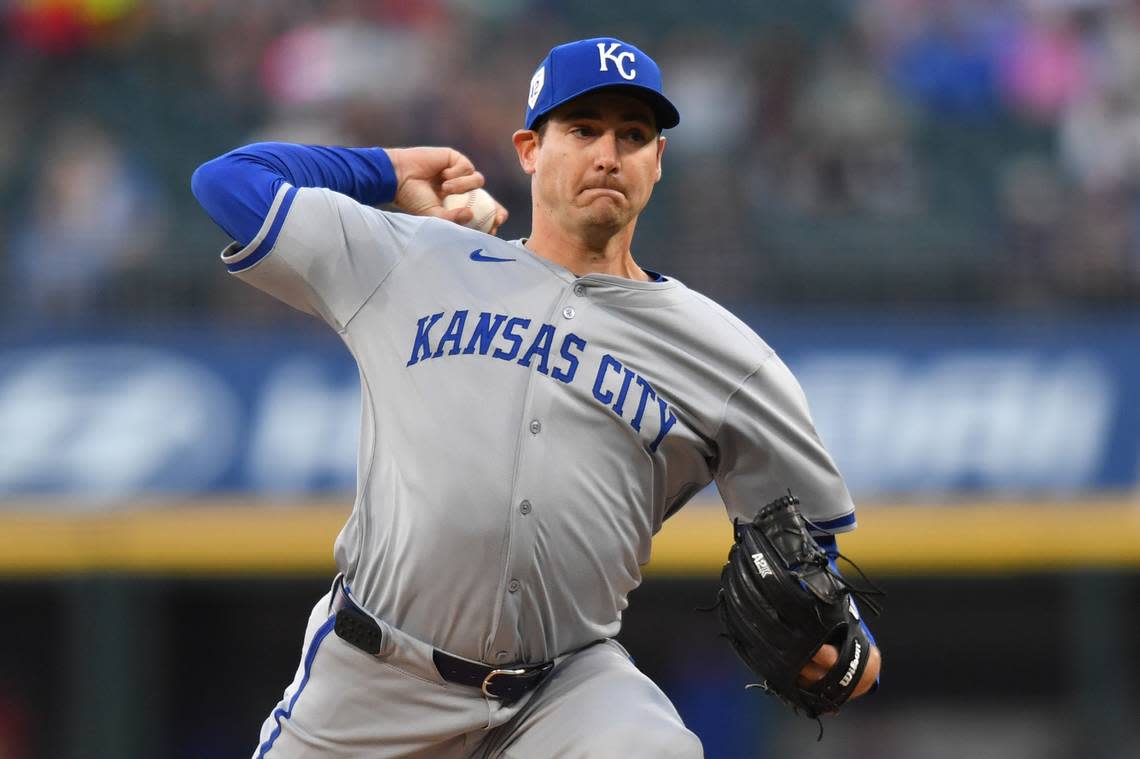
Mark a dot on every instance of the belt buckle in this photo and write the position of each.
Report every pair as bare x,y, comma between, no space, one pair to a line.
493,673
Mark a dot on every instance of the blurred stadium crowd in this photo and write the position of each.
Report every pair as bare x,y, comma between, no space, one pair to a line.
881,151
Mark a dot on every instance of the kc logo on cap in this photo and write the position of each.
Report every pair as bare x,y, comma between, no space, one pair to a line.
605,55
576,68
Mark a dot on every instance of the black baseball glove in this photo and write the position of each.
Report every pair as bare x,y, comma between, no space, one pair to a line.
780,600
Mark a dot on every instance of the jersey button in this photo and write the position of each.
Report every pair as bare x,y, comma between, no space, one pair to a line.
579,291
524,507
535,427
514,586
568,312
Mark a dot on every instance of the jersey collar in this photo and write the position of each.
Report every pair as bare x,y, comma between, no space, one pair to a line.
658,281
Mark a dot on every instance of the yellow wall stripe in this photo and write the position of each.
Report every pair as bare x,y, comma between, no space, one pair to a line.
196,539
943,538
227,538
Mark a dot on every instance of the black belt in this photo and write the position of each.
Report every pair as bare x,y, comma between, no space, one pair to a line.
508,684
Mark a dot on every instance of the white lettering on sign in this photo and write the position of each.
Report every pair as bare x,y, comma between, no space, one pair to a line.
304,430
975,419
112,421
607,54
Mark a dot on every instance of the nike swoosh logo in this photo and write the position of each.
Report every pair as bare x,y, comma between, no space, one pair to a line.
477,255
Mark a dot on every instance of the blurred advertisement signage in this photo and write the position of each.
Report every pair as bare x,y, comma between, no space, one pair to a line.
964,420
904,410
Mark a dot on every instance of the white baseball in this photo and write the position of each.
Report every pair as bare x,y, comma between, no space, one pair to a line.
482,205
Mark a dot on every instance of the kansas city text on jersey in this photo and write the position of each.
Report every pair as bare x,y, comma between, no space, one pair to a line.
521,341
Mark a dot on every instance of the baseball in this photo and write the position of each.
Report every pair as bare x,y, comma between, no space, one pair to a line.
481,204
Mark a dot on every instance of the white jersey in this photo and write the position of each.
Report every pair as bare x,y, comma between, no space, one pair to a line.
526,431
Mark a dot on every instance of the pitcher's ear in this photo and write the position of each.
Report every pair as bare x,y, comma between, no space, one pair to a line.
526,145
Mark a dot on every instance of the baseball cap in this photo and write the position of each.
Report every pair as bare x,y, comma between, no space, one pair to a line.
576,68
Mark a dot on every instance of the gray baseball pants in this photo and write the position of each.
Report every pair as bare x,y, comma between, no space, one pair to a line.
344,702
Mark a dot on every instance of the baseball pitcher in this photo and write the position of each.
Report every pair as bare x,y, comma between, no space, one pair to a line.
533,410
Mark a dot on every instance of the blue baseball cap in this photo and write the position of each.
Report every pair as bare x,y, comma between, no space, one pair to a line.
571,70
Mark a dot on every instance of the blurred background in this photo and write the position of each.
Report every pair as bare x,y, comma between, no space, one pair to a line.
930,208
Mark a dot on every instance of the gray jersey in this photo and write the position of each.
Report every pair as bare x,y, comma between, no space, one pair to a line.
526,431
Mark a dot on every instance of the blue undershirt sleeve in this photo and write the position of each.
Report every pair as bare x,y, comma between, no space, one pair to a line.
237,189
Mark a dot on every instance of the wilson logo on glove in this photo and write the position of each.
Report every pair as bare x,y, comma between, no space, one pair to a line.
852,667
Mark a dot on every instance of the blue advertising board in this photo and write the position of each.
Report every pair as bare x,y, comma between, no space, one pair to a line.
927,407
